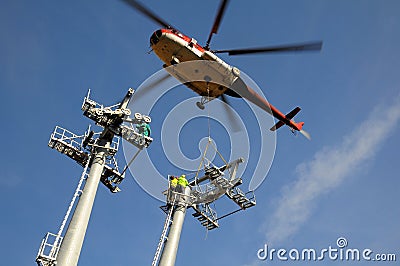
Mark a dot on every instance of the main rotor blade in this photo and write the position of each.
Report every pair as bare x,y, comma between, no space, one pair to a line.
148,13
151,86
311,46
217,21
236,127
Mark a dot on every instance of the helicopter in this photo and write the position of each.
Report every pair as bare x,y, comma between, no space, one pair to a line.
200,69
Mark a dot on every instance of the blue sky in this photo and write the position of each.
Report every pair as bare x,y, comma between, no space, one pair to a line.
344,183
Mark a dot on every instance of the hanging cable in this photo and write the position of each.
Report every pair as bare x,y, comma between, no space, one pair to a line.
201,162
220,155
208,112
209,141
131,161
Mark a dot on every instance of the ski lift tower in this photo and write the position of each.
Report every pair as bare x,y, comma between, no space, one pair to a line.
95,152
222,181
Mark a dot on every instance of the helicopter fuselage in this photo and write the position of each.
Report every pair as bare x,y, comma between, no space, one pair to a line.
208,75
198,73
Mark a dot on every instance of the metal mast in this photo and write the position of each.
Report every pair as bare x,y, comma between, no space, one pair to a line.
178,209
72,244
96,154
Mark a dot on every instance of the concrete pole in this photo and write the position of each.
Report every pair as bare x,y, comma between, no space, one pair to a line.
168,255
72,243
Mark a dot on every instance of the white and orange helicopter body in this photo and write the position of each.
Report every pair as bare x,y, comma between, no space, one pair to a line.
200,69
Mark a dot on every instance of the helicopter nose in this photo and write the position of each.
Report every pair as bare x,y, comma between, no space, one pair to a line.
155,37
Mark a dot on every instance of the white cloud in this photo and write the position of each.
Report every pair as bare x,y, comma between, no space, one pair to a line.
328,169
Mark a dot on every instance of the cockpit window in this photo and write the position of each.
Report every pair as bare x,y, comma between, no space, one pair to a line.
155,37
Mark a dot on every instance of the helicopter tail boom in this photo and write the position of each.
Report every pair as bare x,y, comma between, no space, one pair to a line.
240,87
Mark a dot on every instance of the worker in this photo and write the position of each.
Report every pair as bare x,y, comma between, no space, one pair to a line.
173,182
182,183
144,129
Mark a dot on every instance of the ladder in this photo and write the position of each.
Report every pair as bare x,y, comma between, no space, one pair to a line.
206,216
241,199
167,224
51,243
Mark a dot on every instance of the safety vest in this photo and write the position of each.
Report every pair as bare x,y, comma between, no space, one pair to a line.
144,129
182,181
174,182
147,131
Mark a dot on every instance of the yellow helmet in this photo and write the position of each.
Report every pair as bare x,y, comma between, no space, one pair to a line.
183,176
